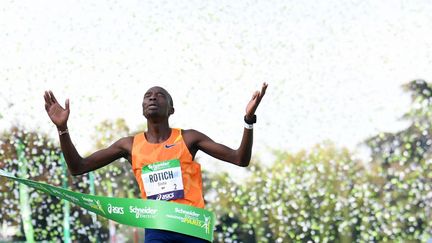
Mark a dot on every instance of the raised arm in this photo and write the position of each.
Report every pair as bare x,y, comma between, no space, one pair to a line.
78,165
240,156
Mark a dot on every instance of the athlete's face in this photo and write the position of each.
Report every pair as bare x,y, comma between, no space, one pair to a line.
157,102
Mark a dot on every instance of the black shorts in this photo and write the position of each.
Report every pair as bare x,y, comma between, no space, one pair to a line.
156,235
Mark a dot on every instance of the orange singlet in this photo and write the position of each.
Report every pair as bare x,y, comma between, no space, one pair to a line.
145,153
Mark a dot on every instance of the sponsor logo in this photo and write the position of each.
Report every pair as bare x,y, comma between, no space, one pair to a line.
192,221
193,218
206,224
71,198
187,212
167,146
56,191
88,200
165,197
145,212
158,166
98,206
115,210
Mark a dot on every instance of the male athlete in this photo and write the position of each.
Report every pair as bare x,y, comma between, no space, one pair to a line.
159,144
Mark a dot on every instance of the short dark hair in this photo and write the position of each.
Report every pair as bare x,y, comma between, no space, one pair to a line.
170,99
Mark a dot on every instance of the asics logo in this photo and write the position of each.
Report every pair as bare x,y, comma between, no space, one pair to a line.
166,197
116,210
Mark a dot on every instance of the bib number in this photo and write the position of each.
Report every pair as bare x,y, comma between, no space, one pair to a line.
163,180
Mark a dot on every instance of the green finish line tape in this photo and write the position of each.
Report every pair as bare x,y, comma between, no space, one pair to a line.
135,212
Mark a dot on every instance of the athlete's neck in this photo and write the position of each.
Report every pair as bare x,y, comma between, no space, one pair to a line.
157,132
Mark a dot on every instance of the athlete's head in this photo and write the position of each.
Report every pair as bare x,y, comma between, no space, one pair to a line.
157,102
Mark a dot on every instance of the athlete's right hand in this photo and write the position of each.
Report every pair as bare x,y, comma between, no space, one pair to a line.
56,112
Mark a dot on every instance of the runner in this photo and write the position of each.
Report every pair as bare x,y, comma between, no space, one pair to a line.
162,157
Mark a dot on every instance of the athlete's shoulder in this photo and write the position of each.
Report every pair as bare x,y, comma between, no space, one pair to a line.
193,136
127,139
190,132
125,143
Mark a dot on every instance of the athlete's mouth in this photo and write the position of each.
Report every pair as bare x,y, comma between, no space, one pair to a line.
152,106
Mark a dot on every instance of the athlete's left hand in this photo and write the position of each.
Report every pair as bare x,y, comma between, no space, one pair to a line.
254,102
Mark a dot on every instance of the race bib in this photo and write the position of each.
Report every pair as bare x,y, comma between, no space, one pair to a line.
163,180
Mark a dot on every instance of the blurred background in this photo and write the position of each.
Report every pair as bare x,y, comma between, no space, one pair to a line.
342,143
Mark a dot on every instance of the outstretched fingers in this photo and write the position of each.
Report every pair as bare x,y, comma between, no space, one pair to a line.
47,99
52,97
67,104
263,89
259,95
50,101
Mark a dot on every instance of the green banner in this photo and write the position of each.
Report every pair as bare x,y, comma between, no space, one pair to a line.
135,212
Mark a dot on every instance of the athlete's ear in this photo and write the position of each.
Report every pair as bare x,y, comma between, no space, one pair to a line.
171,111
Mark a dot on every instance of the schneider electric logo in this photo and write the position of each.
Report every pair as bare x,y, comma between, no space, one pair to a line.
159,166
145,212
115,210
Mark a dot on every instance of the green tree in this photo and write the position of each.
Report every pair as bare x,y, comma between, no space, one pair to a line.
316,196
116,179
41,156
404,163
43,164
325,195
